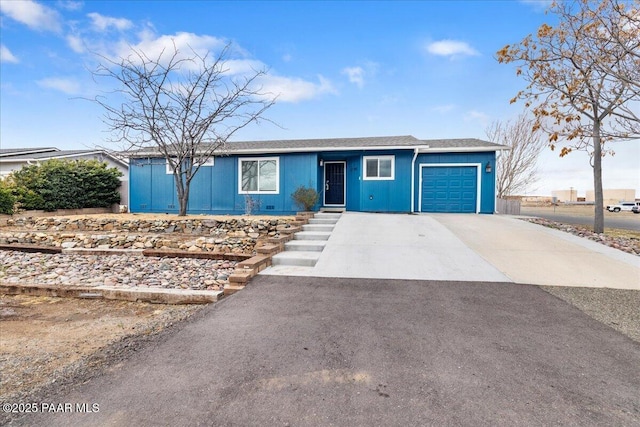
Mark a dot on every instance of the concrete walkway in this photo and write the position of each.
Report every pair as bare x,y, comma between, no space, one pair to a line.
465,247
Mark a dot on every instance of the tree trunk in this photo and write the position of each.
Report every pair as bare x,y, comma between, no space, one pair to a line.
184,201
182,190
598,218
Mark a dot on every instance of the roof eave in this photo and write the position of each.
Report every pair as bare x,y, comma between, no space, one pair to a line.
65,156
223,152
463,149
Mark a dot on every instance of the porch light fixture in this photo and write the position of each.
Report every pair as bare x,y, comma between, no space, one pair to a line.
487,168
321,163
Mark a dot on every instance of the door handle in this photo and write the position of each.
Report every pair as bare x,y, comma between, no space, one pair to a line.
326,187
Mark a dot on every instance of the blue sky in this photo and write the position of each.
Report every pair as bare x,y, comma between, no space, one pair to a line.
342,69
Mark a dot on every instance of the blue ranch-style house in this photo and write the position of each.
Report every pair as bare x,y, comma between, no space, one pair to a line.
376,174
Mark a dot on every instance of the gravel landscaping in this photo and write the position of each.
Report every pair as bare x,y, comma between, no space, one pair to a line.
132,271
617,308
629,243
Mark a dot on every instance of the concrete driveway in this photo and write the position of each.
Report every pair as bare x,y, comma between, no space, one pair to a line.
465,247
361,352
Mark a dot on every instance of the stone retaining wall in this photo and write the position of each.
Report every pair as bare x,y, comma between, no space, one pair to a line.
233,235
242,227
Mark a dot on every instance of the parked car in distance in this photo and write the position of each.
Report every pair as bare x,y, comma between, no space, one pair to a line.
635,209
623,206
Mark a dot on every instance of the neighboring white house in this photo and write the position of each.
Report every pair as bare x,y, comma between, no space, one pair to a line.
15,158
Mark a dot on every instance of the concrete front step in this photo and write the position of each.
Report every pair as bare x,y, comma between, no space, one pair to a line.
317,227
323,221
297,258
332,215
305,245
312,235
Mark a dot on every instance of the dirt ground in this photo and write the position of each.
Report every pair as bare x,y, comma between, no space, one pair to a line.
44,339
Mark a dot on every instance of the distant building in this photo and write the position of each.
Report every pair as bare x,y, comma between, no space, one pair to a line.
614,195
564,196
15,158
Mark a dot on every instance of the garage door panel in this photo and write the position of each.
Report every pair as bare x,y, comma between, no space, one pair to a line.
449,189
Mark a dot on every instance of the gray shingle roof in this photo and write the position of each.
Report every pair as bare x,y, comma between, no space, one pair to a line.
12,152
461,143
377,141
56,154
331,144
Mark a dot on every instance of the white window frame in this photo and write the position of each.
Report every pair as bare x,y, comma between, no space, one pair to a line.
259,159
365,177
169,170
210,162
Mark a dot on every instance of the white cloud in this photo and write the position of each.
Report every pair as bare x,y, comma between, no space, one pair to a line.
451,48
238,63
360,75
287,57
162,47
103,23
243,66
71,5
291,89
355,74
68,86
7,56
76,44
32,14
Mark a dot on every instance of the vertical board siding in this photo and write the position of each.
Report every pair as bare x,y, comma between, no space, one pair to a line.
389,195
214,189
139,186
487,180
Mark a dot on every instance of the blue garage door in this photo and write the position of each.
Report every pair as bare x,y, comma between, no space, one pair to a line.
449,189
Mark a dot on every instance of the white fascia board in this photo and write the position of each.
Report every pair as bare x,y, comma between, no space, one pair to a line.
223,152
67,156
463,149
314,149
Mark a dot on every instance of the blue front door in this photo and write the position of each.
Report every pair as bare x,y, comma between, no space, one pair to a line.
334,183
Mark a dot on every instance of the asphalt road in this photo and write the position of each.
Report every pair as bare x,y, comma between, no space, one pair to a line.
622,220
306,351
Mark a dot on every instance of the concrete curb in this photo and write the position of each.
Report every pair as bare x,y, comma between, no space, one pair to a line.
156,296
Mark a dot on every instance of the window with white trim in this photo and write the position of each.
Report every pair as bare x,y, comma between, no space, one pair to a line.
209,162
379,167
169,170
168,167
259,175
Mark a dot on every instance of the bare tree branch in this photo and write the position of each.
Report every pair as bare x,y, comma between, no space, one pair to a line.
184,108
516,169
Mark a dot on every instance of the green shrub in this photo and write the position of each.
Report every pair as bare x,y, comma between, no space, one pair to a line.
305,198
7,200
66,184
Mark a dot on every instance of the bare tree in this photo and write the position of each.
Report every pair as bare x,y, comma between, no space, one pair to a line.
516,168
579,81
181,107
